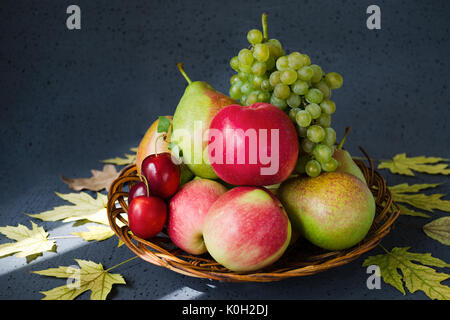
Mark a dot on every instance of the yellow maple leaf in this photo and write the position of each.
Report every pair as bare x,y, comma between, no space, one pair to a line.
89,276
408,194
129,159
97,233
29,243
439,230
84,207
414,276
401,164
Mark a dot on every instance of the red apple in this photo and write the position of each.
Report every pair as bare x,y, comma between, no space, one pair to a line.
187,211
246,229
253,145
147,216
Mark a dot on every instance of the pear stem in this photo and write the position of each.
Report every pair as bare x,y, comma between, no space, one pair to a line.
183,73
347,131
264,26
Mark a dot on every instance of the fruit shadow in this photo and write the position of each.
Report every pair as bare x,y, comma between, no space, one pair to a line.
316,286
146,281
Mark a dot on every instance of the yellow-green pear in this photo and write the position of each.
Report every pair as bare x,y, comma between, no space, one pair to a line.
334,211
197,107
346,163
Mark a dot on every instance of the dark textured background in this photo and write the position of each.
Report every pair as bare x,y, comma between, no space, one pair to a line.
72,98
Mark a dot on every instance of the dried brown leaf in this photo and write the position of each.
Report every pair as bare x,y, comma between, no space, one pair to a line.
100,179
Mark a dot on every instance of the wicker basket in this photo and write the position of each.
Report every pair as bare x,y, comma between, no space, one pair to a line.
300,259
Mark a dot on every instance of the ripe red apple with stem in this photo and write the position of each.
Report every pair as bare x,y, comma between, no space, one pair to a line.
253,145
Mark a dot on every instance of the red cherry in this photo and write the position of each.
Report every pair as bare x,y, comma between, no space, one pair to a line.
147,216
139,189
162,174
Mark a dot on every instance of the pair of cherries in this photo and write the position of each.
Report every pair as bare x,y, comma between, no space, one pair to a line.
147,209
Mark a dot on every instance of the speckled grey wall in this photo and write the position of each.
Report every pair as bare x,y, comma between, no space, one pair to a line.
72,98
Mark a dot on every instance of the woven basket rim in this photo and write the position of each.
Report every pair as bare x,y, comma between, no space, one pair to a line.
294,263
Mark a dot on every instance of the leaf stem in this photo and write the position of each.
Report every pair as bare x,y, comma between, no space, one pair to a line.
383,248
123,262
62,237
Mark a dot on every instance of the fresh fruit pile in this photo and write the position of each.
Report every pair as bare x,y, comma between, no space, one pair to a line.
260,177
265,73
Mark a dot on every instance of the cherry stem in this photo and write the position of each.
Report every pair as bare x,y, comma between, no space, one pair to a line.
183,73
347,131
264,26
143,178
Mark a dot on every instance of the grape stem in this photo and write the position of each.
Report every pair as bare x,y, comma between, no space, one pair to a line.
347,131
264,27
183,73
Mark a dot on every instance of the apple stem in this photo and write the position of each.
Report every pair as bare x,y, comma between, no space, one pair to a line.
347,131
183,73
264,26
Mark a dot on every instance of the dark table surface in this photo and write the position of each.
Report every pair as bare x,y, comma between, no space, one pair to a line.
72,98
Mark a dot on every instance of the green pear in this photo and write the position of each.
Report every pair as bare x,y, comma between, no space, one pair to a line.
334,211
346,163
193,115
186,174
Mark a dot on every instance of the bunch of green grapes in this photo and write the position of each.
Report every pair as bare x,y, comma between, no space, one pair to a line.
265,73
254,66
311,110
